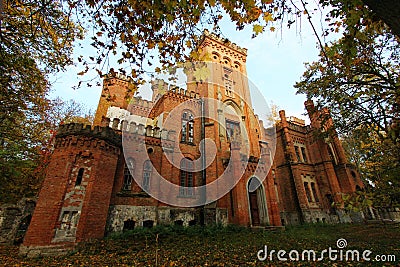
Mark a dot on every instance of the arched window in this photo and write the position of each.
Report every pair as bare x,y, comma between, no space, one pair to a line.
129,170
236,65
215,56
186,178
187,127
332,154
79,177
147,169
226,61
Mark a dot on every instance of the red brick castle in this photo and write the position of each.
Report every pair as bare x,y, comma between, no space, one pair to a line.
93,187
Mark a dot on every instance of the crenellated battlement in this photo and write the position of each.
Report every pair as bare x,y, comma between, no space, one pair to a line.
162,87
117,75
225,42
182,92
137,101
78,129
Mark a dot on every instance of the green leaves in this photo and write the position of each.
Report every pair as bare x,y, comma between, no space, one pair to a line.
356,79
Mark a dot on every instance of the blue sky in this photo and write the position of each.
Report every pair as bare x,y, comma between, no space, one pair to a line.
275,61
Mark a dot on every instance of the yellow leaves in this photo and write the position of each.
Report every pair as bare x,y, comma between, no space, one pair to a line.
150,44
211,2
122,37
268,17
255,12
257,29
202,73
206,57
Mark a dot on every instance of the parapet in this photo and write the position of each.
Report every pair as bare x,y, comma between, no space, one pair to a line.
103,133
133,129
225,42
297,121
113,74
136,101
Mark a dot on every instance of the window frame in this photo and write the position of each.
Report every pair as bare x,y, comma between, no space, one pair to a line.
186,178
187,127
147,171
129,170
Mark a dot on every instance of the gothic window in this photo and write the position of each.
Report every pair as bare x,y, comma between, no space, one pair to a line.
303,153
231,128
128,172
215,56
308,192
236,65
332,154
186,178
79,177
296,149
187,127
147,169
226,61
314,192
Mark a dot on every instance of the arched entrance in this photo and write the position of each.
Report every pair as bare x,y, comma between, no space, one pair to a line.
257,202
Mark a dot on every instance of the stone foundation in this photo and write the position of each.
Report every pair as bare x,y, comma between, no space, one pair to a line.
14,220
43,251
125,217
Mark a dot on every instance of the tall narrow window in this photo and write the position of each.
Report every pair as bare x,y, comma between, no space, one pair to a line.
79,177
228,83
186,178
128,172
231,128
187,127
147,169
332,154
303,153
296,149
308,192
314,191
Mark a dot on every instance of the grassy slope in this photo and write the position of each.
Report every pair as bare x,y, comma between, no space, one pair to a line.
214,246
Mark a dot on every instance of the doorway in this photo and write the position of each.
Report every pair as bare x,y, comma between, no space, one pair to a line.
257,202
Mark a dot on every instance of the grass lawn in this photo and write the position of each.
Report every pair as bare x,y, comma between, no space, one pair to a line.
217,246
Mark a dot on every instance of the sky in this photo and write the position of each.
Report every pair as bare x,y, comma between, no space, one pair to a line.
275,61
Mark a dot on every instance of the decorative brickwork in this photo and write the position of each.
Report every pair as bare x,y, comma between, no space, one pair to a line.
91,190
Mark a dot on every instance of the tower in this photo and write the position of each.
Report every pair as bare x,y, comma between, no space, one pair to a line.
75,196
117,91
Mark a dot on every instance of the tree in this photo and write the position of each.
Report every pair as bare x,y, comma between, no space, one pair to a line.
360,85
141,33
36,38
377,161
27,142
388,11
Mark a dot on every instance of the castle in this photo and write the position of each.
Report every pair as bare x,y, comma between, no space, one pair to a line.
96,185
